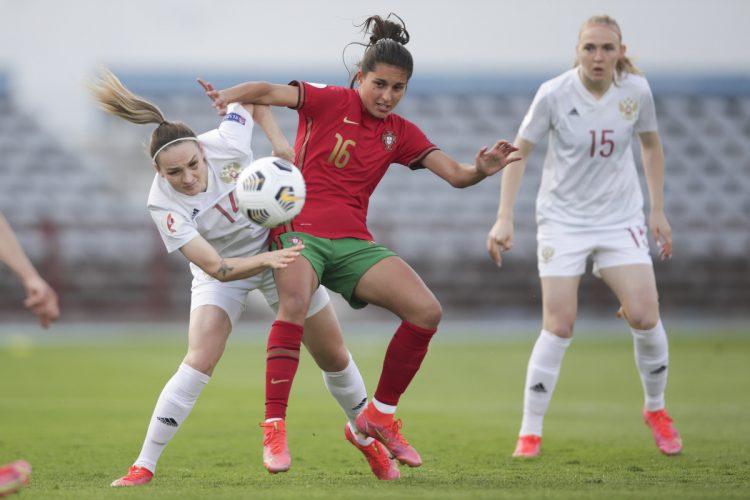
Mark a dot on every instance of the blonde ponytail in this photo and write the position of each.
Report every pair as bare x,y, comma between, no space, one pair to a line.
116,99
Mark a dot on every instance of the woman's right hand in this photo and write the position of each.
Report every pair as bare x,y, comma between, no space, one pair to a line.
279,259
285,154
42,300
216,98
500,239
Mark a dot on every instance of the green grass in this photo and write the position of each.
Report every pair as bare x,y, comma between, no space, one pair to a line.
78,412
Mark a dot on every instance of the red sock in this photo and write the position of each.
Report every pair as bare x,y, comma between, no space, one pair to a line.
282,359
403,358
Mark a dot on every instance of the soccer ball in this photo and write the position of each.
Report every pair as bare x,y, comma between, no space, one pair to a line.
270,191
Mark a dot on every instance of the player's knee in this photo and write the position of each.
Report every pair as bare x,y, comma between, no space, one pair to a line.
293,307
559,321
427,315
642,317
334,362
561,327
330,359
201,362
435,314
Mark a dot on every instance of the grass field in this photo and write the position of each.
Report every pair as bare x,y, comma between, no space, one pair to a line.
78,411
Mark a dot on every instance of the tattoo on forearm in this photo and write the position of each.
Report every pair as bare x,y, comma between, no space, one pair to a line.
225,269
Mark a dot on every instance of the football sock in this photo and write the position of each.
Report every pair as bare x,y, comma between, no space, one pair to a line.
383,408
652,360
403,358
361,439
348,389
172,408
282,360
541,379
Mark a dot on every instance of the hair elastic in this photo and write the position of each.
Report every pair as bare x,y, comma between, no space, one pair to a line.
172,142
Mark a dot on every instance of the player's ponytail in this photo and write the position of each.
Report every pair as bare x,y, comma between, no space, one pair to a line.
386,45
116,99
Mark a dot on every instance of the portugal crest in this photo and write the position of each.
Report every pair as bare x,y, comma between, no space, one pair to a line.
230,172
389,139
629,109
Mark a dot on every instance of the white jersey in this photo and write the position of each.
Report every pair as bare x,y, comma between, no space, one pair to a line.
213,214
589,177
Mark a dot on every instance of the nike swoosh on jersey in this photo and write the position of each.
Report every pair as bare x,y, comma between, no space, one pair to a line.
347,120
274,381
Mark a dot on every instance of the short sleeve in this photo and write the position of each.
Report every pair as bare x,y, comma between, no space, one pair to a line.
413,147
646,121
315,98
234,134
174,227
537,121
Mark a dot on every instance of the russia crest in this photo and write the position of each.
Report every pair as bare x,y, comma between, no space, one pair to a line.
629,109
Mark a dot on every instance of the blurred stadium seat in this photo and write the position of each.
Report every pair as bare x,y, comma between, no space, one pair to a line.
91,242
105,238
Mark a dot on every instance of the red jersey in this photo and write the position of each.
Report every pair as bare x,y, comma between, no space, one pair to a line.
343,152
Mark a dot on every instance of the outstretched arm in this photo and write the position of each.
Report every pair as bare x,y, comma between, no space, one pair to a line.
251,93
40,298
263,116
652,156
500,237
202,254
487,162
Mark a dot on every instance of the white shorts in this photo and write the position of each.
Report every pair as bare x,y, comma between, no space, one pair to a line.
564,251
231,296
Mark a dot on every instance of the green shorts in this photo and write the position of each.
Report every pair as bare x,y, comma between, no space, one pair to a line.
339,263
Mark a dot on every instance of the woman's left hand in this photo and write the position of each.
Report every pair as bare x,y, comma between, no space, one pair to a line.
492,160
662,233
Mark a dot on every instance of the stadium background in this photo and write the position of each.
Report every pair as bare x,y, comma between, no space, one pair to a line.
73,182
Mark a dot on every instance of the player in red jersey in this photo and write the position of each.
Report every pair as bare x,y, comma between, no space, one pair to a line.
346,140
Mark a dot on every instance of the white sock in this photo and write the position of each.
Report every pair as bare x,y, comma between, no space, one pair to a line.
384,408
348,389
172,408
541,379
652,360
361,439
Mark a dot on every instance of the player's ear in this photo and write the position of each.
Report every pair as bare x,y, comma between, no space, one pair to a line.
360,77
